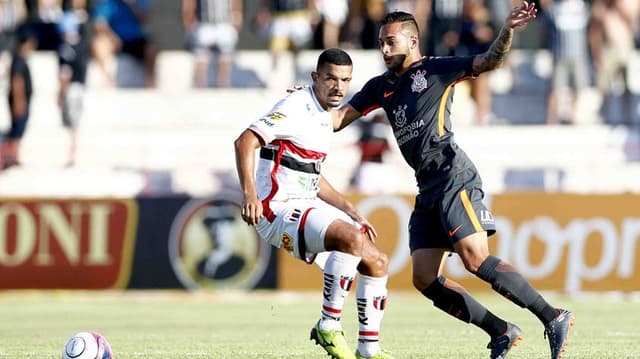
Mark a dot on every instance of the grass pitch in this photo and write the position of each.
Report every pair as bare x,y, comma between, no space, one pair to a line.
161,324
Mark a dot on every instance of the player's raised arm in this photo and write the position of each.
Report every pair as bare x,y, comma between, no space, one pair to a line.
245,146
343,116
494,57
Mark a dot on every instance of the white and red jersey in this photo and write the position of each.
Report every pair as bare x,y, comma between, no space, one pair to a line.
297,133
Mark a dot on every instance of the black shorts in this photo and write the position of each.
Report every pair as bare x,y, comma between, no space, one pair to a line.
449,213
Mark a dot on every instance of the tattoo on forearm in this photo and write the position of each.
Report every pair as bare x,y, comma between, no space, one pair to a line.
494,57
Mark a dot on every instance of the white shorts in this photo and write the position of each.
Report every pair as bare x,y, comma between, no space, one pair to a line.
295,29
300,219
220,37
333,11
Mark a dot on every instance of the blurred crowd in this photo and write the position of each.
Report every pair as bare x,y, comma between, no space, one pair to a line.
591,42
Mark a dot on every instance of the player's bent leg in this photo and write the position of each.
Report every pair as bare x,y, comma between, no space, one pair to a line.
339,273
453,299
374,262
371,299
345,242
507,281
344,237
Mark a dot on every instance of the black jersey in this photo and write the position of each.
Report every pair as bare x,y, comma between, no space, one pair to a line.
418,105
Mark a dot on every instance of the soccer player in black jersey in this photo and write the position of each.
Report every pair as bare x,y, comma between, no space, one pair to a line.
416,94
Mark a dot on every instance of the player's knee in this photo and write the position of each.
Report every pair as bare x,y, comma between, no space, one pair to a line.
377,262
422,280
472,262
351,242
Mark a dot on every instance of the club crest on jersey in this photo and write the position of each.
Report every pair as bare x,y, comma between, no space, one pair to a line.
419,81
287,241
380,302
400,117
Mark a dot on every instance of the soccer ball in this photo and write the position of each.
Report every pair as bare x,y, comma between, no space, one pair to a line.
87,345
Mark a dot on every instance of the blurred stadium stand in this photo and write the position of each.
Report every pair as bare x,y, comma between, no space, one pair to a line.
175,139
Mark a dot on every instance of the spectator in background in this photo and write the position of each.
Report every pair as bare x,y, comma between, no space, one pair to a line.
288,24
212,26
12,13
569,47
44,15
363,23
373,146
333,14
475,37
73,57
444,27
611,37
119,29
20,89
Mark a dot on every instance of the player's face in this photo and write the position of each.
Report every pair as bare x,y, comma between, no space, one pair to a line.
394,44
331,83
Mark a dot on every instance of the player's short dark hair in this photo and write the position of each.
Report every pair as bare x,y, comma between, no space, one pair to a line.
335,57
401,17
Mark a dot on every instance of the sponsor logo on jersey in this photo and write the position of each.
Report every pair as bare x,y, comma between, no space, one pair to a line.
419,81
276,116
399,116
486,217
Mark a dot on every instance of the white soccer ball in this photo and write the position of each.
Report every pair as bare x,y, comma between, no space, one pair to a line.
87,345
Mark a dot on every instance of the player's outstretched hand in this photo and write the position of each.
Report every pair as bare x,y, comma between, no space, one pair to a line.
252,211
521,15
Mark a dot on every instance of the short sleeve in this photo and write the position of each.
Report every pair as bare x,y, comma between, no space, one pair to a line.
456,67
279,122
365,100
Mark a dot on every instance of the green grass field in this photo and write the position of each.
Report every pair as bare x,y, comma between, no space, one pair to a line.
161,324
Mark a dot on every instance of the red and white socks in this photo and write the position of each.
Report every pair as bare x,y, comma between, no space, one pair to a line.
371,299
339,272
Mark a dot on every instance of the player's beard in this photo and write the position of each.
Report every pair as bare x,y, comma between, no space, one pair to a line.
397,62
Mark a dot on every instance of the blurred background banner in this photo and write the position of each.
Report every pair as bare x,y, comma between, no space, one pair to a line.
562,242
174,242
125,175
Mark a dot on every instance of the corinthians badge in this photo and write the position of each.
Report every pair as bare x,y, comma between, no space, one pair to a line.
419,81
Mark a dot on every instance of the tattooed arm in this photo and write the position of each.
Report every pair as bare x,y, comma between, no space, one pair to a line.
494,57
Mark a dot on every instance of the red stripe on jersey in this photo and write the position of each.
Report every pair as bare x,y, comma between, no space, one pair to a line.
331,310
369,109
290,147
297,150
274,187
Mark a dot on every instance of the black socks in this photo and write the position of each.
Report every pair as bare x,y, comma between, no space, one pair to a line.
506,280
452,298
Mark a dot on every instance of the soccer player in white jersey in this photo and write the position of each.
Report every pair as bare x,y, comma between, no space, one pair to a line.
294,207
